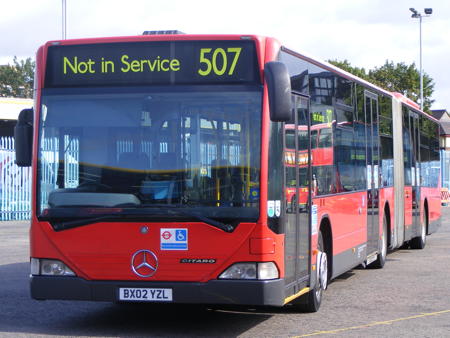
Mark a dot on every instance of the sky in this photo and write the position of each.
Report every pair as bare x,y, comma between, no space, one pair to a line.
364,32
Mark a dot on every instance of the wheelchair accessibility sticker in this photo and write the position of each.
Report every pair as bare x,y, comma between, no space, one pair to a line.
174,239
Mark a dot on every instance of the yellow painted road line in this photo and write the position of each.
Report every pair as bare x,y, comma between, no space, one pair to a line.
386,322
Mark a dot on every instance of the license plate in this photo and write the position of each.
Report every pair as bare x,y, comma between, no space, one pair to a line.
145,294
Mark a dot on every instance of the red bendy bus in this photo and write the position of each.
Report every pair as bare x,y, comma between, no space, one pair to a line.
160,173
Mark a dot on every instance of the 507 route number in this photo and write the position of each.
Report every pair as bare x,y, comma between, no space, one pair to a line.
209,59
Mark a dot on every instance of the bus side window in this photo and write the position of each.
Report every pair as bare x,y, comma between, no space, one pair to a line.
325,138
314,141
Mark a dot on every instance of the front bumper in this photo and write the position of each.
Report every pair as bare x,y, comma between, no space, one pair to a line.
237,292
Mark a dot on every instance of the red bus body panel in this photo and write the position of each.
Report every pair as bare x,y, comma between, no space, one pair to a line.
408,207
433,199
103,251
386,198
348,216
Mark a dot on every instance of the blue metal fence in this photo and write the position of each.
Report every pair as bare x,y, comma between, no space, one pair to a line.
15,184
445,168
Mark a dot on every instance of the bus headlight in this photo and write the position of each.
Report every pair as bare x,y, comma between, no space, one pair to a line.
49,267
253,270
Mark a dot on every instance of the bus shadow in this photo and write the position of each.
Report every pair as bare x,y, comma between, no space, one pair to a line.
173,320
346,275
21,314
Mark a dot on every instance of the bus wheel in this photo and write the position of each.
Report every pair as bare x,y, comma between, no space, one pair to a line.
420,241
313,298
381,259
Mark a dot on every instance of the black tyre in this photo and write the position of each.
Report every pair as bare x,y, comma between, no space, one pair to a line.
311,301
419,242
381,259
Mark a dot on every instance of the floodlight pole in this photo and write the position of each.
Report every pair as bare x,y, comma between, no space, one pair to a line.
420,62
64,20
416,14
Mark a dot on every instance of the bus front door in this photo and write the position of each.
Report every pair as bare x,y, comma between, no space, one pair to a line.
297,172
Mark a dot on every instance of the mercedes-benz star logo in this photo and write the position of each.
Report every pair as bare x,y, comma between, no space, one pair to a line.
144,263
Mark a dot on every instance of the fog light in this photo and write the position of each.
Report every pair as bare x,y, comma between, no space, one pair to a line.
50,267
34,265
253,270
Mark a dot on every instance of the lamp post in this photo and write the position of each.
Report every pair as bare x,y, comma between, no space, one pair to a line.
417,15
64,20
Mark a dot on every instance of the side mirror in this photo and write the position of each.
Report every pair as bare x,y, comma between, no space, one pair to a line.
279,90
23,138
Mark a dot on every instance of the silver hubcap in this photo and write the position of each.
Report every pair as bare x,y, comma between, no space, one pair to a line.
323,270
383,245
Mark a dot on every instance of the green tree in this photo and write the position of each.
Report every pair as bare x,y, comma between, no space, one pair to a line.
404,79
398,77
345,65
17,80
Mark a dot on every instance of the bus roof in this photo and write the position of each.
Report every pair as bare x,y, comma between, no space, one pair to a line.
155,37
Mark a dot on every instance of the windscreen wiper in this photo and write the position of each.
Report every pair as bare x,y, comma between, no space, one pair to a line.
58,226
207,220
181,210
65,225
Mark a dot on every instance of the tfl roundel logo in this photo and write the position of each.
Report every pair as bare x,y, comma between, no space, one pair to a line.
144,263
174,239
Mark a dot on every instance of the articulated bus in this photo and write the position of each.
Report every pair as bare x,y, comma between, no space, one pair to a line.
160,171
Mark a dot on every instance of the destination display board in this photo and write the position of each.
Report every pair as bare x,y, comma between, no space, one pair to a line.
152,63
